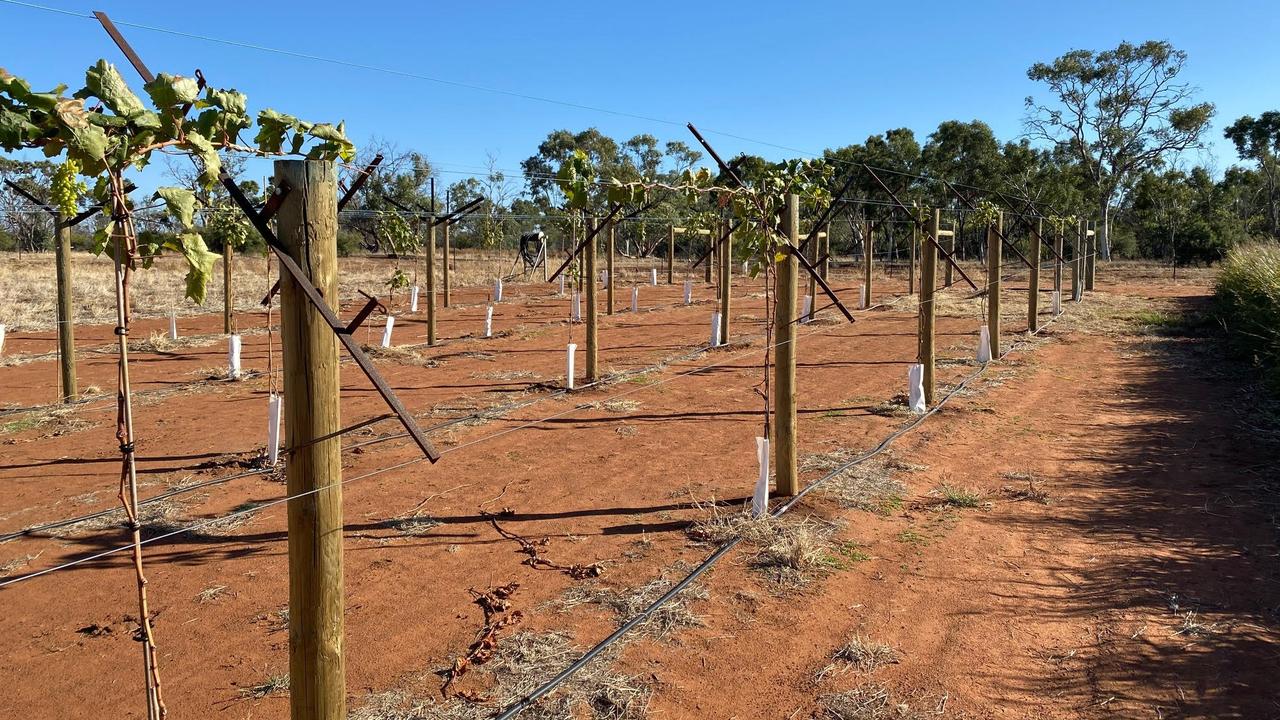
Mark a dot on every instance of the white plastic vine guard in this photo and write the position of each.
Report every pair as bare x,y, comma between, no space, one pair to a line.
915,388
760,498
386,331
233,357
984,345
273,429
488,321
572,350
715,329
413,299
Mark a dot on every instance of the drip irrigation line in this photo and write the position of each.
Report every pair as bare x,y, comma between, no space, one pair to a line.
525,702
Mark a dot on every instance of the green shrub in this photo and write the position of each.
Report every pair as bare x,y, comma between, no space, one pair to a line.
1248,304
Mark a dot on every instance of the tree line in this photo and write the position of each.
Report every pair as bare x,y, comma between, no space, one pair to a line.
1106,140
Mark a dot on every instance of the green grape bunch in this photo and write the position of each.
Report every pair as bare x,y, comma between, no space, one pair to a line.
67,188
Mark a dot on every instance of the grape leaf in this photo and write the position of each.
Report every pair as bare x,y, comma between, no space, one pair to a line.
103,81
199,264
180,202
169,91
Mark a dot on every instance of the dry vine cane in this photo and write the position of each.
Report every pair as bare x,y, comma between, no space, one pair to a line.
495,603
119,133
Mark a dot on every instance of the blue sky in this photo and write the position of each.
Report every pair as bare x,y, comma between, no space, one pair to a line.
805,75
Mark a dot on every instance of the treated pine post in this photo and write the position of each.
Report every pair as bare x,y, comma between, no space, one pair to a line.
726,264
993,283
589,287
784,358
951,250
1077,259
911,269
308,223
444,262
1033,292
671,256
928,284
1090,257
825,254
868,257
611,244
228,303
710,260
546,269
813,254
431,282
1057,264
66,330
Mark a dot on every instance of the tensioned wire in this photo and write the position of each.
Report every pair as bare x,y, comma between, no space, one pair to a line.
470,86
501,433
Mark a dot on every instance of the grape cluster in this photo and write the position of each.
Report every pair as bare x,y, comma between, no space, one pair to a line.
67,188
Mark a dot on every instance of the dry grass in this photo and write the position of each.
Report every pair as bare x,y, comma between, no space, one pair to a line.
52,421
519,665
789,551
615,406
869,485
403,354
872,702
859,654
627,603
212,594
27,284
16,564
273,685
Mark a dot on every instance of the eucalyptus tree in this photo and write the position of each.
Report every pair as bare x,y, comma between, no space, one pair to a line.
1118,112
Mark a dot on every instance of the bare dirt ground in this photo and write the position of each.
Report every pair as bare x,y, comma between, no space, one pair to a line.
1086,529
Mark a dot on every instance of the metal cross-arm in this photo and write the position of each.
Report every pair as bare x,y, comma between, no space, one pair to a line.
342,330
770,226
923,228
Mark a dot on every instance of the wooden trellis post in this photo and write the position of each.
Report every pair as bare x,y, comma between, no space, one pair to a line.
951,250
1057,264
444,262
1090,256
1033,291
589,287
868,257
711,259
814,253
66,328
726,263
611,242
228,303
825,254
1077,261
928,284
431,281
308,228
911,268
671,256
994,249
784,357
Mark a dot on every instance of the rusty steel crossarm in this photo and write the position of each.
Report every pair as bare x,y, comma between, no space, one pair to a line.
921,226
339,329
1029,205
732,228
773,228
999,233
591,236
359,182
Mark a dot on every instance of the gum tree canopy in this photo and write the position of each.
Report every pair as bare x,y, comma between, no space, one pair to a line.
1119,112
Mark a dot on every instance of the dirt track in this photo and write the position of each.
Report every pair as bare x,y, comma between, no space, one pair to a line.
1010,609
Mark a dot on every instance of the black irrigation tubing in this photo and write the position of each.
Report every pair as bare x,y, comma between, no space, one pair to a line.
528,700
